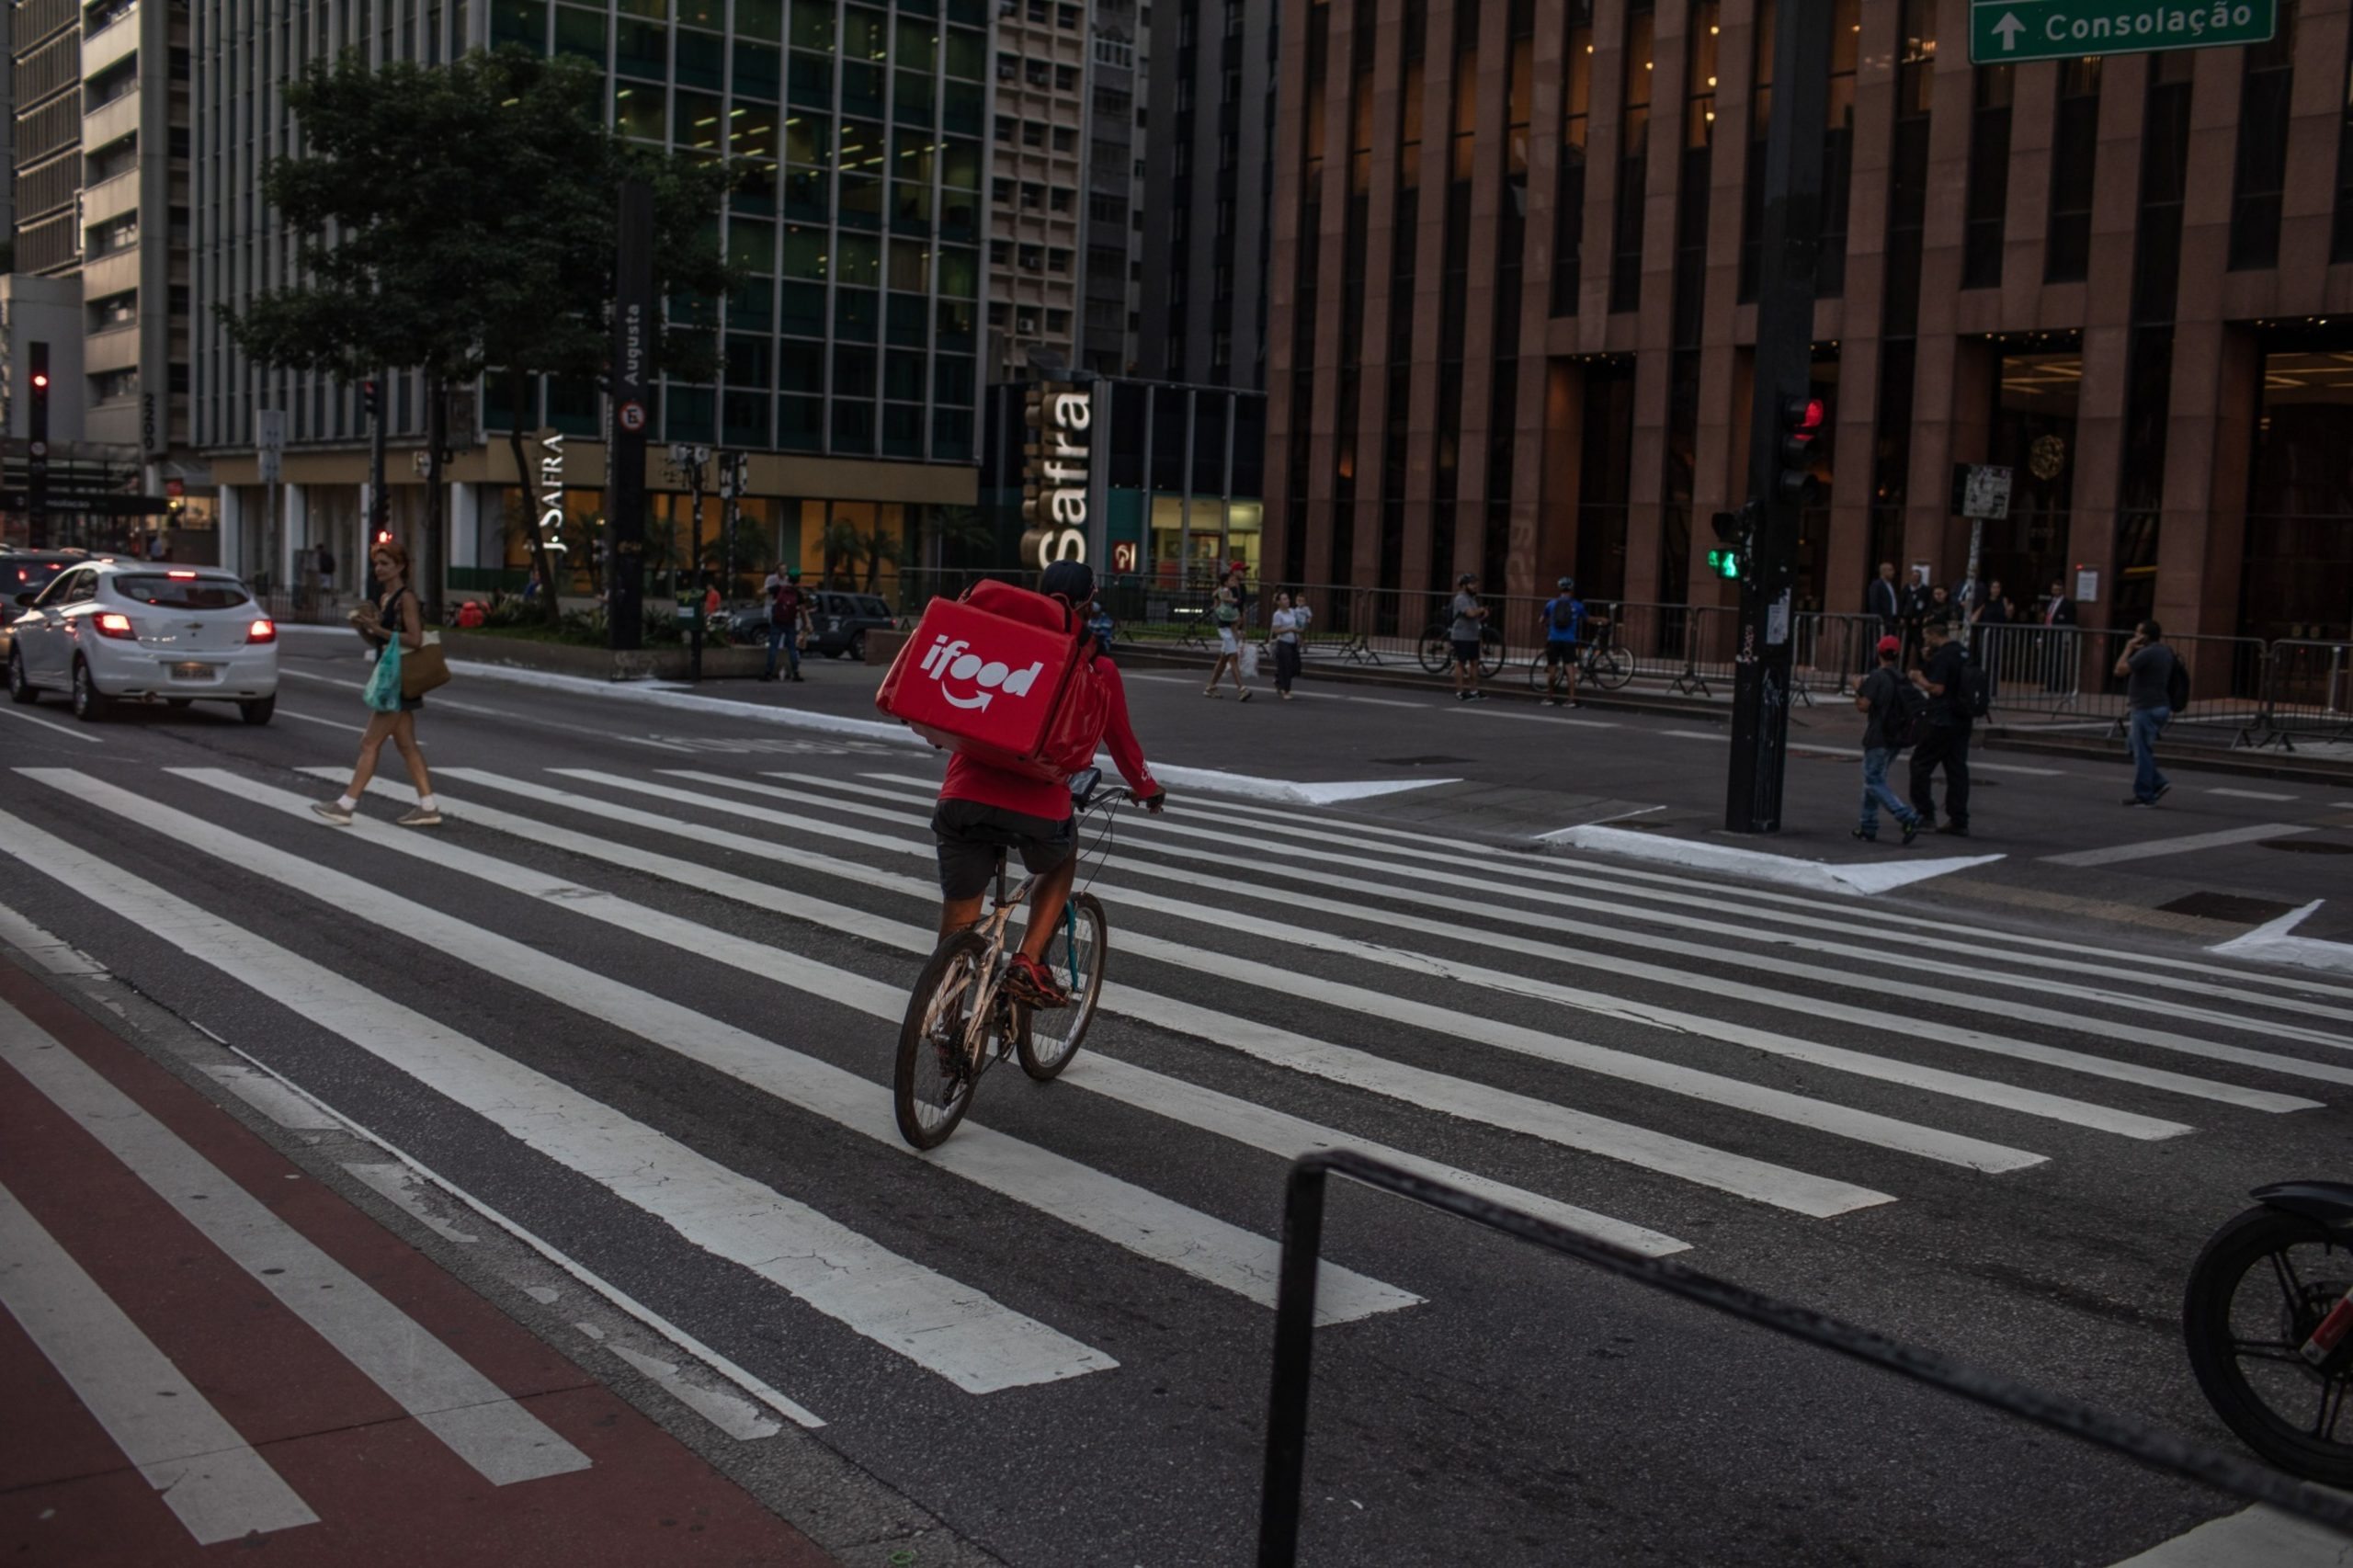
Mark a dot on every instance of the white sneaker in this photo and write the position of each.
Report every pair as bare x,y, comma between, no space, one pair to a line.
331,812
418,817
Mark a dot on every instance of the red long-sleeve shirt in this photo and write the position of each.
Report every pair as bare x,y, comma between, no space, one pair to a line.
970,780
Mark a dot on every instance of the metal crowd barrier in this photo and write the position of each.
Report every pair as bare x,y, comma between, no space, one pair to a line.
1286,1455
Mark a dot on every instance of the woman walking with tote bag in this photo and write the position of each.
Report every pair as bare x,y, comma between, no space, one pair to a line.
394,626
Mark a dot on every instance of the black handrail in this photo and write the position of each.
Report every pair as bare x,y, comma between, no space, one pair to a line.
1295,1333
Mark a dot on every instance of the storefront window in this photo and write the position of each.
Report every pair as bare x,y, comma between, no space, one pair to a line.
2300,501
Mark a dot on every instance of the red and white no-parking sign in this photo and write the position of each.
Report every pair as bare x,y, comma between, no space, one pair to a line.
632,416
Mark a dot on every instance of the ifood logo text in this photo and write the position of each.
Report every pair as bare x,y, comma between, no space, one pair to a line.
947,661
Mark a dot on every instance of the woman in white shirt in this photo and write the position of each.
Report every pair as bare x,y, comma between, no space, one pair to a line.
1285,627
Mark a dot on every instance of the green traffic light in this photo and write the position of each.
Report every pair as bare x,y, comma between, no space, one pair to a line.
1724,563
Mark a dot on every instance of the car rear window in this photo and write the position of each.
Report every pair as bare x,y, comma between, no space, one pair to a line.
27,576
181,593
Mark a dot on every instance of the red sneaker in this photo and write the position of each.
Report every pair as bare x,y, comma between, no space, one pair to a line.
1029,982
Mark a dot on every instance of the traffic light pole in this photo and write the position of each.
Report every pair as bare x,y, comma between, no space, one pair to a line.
37,445
1789,235
379,504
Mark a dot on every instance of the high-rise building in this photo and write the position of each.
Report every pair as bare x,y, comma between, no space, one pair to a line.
848,359
100,194
1038,185
1110,310
1516,256
1211,107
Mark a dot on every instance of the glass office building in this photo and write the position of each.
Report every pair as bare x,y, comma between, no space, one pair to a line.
847,369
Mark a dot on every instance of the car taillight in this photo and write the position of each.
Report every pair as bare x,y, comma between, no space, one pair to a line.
262,631
114,623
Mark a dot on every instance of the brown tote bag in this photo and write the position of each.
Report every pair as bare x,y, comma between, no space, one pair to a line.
424,668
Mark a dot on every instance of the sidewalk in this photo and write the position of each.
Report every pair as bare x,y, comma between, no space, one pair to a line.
204,1351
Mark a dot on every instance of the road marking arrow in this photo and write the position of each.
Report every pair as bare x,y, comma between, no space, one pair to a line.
2008,30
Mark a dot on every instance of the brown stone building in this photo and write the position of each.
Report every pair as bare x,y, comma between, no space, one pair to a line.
1512,303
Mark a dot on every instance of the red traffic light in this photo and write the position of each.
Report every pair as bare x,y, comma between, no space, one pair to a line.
1804,416
40,380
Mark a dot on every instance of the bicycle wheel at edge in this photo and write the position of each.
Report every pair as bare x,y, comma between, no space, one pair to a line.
1612,667
1049,1039
2238,1319
926,1093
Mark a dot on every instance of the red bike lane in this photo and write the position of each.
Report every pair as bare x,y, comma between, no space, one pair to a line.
179,1388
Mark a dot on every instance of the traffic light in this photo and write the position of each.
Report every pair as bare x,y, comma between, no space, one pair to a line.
371,399
1802,419
1736,532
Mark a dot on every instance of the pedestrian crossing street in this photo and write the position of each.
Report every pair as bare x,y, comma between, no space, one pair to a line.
647,1015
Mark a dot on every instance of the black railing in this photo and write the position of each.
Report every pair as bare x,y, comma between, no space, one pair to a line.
1295,1332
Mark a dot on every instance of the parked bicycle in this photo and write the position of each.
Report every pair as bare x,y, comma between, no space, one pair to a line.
960,1022
2268,1321
1437,650
1602,664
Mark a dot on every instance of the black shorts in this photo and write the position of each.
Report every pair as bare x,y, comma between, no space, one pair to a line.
971,833
1558,654
1466,650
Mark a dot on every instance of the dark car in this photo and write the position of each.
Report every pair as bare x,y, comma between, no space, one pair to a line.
838,622
24,573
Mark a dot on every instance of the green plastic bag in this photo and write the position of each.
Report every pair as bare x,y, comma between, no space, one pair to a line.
383,692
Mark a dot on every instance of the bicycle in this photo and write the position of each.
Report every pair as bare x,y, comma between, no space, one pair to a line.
1437,650
959,1021
1602,664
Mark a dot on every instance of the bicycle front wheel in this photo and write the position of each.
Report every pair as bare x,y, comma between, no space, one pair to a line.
1082,941
1612,667
931,1086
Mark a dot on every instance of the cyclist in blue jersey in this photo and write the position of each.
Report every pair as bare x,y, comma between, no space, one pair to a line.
1565,621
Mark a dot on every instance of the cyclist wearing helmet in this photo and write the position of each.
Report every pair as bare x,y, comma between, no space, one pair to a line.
982,810
1564,623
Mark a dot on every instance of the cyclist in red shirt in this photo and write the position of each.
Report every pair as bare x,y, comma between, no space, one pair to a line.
982,810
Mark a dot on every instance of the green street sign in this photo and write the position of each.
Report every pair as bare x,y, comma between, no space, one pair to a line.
2002,32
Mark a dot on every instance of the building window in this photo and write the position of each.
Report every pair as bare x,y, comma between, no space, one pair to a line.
1067,18
1065,139
2342,250
1989,177
1568,187
2263,146
2067,245
1000,253
1001,192
1058,323
1033,196
1007,128
1008,67
1066,78
1038,72
1058,260
1033,258
1633,164
1838,150
1058,199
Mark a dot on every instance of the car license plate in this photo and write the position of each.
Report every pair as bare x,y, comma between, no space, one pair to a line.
195,672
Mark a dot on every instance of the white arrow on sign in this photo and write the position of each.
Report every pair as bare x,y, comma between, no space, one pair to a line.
2008,30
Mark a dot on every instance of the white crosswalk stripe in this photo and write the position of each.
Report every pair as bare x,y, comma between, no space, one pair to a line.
1547,1031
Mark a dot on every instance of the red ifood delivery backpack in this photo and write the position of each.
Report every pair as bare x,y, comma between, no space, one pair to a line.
996,677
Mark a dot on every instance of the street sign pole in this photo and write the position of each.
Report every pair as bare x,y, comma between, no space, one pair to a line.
629,382
1790,234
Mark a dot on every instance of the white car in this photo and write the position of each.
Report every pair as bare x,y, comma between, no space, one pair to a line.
112,631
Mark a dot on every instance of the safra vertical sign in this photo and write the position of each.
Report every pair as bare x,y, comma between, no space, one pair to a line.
1054,478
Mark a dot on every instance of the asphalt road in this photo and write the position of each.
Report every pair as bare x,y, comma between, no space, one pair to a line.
637,1000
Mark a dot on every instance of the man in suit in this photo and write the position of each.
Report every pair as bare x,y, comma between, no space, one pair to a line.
2058,609
2059,647
1883,600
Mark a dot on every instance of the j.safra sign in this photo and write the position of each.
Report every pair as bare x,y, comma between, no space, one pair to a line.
1054,500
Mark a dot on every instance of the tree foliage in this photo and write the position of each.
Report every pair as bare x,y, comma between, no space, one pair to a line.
460,219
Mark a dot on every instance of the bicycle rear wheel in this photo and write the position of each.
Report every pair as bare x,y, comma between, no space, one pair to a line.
931,1086
1612,667
1436,652
1049,1039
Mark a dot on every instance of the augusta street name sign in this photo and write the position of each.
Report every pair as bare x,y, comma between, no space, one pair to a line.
2004,31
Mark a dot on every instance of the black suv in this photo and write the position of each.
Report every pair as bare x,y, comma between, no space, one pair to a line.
838,622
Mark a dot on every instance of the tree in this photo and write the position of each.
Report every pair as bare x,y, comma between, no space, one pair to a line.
456,218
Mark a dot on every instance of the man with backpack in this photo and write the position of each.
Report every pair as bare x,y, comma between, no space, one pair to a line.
1893,707
1957,700
787,618
2156,687
983,810
1564,623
